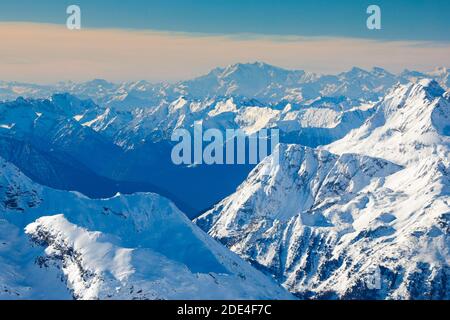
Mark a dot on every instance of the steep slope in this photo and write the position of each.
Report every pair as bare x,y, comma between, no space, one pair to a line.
125,137
54,124
48,141
412,123
258,80
326,119
127,247
441,75
55,142
349,225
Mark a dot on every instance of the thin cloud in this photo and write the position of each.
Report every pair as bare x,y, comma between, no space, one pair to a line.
45,53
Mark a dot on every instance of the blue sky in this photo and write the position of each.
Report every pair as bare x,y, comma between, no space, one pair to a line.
169,40
402,19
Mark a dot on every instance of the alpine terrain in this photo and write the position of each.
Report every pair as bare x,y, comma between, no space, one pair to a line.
366,217
62,245
354,203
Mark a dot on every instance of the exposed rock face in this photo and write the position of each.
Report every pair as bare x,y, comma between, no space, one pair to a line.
353,225
127,247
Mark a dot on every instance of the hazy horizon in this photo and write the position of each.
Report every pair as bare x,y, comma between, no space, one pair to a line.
175,40
162,81
47,53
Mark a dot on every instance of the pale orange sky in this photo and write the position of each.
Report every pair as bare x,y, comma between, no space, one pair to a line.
44,53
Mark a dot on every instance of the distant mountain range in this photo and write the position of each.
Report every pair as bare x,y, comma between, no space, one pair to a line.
100,138
125,247
260,81
357,188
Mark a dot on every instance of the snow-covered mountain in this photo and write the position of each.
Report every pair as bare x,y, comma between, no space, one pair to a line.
266,83
330,118
72,144
357,190
441,75
62,245
47,141
326,224
56,143
247,96
411,124
133,113
260,81
13,90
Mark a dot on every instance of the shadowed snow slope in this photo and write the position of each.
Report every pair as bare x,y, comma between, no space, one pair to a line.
127,247
411,123
325,224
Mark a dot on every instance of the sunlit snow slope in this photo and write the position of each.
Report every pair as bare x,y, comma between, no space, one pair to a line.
62,245
377,203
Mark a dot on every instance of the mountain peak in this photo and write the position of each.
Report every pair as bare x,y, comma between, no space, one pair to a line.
440,71
431,87
163,256
409,124
66,99
380,71
411,73
99,83
250,67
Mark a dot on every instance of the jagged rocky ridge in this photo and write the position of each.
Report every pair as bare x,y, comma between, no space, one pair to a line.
326,218
121,141
295,101
378,205
62,245
72,144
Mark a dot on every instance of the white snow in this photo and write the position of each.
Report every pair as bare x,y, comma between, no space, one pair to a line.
127,247
320,221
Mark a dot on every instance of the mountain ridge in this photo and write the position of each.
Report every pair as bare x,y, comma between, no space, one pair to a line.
127,247
275,84
336,233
